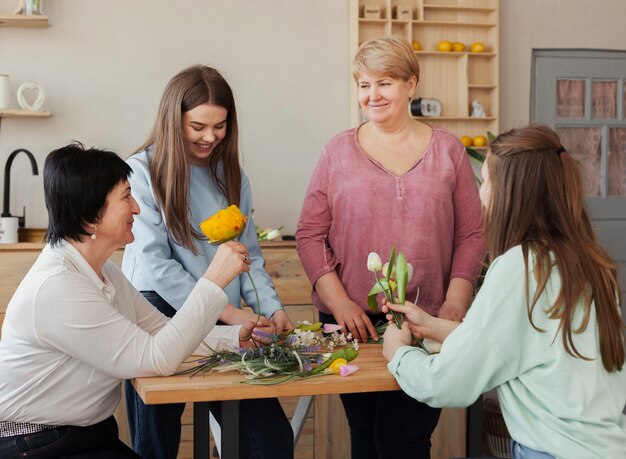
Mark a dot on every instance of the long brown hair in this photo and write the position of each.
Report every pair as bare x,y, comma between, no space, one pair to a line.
537,201
169,165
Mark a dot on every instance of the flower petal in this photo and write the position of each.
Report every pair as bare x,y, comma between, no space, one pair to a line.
346,370
329,328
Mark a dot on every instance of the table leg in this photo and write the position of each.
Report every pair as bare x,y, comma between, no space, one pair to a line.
230,429
201,430
474,428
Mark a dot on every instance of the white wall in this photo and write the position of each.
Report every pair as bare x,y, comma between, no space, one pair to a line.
104,65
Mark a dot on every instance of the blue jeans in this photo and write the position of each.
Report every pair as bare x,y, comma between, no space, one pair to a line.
264,430
387,424
519,451
97,441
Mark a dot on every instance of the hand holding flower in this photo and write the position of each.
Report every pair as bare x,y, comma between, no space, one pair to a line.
422,324
281,321
228,262
394,338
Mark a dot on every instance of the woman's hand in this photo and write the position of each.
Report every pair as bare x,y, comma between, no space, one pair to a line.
417,317
251,334
351,317
422,324
452,310
281,321
394,338
230,260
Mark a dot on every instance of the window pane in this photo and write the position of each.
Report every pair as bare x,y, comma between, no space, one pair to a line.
617,161
604,99
570,98
585,145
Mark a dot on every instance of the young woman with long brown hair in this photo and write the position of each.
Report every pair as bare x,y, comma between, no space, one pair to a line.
186,171
545,328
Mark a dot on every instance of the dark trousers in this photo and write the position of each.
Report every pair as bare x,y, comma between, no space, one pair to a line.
99,441
387,424
264,430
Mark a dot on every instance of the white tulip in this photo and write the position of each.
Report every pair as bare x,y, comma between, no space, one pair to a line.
409,270
273,234
374,263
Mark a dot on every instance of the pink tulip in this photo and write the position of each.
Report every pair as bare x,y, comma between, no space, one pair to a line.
346,370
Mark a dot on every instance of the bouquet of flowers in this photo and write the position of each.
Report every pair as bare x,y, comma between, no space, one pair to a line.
306,351
397,273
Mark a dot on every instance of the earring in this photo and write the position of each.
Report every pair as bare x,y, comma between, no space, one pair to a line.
93,235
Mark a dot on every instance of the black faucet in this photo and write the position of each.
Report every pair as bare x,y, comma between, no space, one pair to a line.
7,183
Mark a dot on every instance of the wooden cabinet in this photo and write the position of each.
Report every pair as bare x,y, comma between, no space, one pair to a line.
455,78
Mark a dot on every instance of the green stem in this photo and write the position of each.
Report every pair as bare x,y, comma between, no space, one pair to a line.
258,302
389,298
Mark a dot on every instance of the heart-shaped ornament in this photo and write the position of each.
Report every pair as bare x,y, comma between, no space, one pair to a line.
31,96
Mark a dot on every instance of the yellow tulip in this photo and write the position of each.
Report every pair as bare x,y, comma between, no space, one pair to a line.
226,225
337,364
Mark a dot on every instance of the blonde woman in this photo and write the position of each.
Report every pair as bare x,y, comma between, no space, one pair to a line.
391,180
545,328
186,171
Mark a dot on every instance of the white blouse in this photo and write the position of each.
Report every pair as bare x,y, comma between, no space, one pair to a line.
69,339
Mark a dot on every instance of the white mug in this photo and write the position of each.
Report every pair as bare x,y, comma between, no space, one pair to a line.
8,230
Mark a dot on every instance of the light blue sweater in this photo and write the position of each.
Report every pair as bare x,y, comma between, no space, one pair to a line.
155,262
551,401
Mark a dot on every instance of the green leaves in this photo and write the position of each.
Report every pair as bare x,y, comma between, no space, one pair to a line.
402,277
381,286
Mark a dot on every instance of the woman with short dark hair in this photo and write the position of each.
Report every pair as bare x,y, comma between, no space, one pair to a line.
75,327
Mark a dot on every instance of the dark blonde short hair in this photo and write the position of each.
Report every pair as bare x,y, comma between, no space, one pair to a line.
390,56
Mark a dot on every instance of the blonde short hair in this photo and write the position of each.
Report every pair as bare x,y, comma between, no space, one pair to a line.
390,56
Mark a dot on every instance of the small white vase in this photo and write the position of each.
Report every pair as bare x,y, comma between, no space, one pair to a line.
5,93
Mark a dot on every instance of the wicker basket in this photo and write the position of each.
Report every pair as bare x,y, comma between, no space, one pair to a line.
498,438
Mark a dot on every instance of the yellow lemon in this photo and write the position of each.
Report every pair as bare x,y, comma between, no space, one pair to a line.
416,45
466,141
479,141
444,46
458,47
477,47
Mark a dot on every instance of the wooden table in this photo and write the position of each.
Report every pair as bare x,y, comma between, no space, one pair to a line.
230,387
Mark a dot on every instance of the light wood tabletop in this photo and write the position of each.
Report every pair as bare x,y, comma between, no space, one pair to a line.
214,386
228,388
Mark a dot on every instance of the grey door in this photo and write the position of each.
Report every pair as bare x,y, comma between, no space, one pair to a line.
580,94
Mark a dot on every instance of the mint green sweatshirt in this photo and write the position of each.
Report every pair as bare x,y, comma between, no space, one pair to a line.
551,401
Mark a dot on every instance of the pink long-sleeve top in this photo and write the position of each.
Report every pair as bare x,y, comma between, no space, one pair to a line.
431,213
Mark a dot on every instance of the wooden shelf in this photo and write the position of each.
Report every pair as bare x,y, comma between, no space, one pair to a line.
456,79
21,20
455,118
459,8
455,24
17,113
453,53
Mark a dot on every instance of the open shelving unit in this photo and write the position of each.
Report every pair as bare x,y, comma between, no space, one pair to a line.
455,78
22,20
